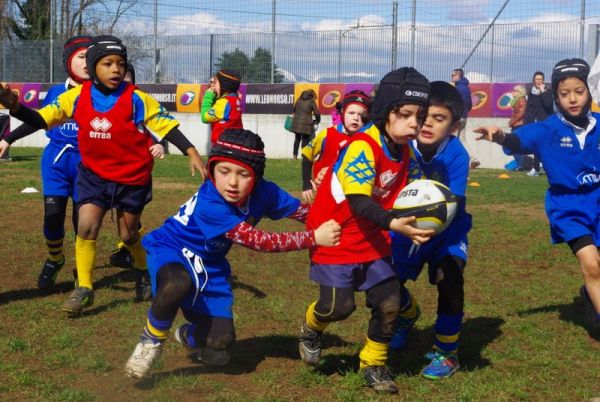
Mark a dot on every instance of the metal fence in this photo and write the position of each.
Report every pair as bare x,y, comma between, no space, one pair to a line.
508,53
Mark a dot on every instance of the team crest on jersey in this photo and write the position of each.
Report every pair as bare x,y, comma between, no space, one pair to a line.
100,128
387,177
566,142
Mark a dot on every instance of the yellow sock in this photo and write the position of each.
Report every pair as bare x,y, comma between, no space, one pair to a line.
411,312
311,320
138,253
85,256
55,250
373,354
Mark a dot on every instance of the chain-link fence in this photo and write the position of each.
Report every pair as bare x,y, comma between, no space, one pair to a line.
506,53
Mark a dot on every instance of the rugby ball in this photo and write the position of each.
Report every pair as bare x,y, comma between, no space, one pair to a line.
431,202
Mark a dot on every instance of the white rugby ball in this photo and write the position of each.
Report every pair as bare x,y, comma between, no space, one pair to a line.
431,202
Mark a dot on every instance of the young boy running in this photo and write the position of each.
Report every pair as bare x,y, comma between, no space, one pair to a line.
116,164
567,145
221,103
323,150
358,192
443,158
59,162
187,255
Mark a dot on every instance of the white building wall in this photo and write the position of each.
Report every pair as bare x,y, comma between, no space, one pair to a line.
278,142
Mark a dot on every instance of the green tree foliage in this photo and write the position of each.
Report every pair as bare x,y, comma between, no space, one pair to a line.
255,69
33,19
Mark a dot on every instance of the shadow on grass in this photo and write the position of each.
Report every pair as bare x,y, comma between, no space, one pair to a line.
476,334
23,158
248,288
247,354
109,281
575,312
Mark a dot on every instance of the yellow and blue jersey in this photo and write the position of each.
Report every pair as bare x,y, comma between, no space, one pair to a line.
147,112
356,170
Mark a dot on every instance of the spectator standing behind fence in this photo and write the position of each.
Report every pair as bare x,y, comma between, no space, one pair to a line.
306,115
221,106
539,106
462,84
518,103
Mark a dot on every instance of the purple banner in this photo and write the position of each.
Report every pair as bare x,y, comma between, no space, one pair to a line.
502,95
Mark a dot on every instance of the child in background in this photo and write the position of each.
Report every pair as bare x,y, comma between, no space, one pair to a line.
443,158
59,162
323,150
567,145
359,192
187,255
116,164
221,106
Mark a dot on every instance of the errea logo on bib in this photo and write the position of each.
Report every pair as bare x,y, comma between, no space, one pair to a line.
101,127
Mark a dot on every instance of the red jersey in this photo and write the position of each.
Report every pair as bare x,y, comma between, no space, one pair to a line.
361,240
110,144
235,117
330,149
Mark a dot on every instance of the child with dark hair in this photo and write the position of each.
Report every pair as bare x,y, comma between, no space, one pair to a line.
121,257
116,164
323,150
59,162
221,106
359,191
567,144
187,255
443,158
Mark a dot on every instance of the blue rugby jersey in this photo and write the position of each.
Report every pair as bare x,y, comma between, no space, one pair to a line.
569,167
449,166
65,133
201,223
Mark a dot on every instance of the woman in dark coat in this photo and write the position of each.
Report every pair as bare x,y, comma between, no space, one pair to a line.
306,115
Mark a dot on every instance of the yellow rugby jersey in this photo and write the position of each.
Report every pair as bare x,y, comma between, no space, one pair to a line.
357,171
313,149
146,110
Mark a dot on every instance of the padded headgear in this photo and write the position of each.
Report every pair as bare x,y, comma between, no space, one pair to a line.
357,97
71,46
577,68
239,146
102,46
229,80
399,87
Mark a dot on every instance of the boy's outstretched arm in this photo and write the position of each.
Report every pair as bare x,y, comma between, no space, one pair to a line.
177,138
328,234
495,134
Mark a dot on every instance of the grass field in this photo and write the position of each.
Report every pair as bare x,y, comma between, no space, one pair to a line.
524,336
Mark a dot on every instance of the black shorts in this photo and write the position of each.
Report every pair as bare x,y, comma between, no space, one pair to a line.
107,194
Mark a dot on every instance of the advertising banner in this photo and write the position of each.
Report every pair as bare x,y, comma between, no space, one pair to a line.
481,96
269,99
189,97
329,95
502,94
165,94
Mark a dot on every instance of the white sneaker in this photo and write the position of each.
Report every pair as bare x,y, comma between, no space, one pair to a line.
533,173
138,365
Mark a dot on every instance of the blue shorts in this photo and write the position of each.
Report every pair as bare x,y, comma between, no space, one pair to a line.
360,276
410,259
107,194
574,215
212,294
59,170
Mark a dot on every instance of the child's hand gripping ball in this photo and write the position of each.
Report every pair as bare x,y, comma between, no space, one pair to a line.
432,203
